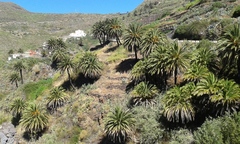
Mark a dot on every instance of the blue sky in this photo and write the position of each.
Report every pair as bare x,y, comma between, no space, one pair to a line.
77,6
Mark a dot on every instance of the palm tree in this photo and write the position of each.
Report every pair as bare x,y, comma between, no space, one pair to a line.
227,99
139,71
177,104
229,49
177,59
115,29
66,64
89,65
195,73
207,86
14,78
132,39
19,66
56,98
52,44
144,92
34,119
58,55
17,107
118,125
157,62
151,40
207,57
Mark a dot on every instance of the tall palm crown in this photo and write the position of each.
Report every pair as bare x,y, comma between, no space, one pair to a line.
229,48
58,55
118,125
89,65
19,66
177,104
17,107
177,59
66,64
34,118
132,38
56,98
115,29
151,40
14,78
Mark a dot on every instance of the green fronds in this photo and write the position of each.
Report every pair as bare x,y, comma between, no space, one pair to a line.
119,124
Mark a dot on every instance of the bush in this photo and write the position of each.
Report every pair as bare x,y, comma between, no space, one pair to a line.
147,125
193,31
182,136
222,130
236,12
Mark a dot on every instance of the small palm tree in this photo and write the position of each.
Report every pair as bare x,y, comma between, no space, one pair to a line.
207,86
139,70
34,119
227,99
19,66
195,73
56,98
17,107
177,104
132,39
66,64
89,65
229,48
14,78
118,125
151,40
144,92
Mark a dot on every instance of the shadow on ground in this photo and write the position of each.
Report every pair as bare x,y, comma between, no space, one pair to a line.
126,65
111,49
78,82
97,47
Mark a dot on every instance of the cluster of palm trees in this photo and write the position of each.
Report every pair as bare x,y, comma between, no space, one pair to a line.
34,117
87,63
107,29
194,79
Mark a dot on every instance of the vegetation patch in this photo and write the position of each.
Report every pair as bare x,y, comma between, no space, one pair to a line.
236,12
119,54
33,90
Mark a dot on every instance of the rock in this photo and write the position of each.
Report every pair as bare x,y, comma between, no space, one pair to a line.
7,133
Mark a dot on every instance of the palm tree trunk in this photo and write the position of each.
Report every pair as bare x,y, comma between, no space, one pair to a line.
69,78
238,67
175,75
135,51
20,71
16,84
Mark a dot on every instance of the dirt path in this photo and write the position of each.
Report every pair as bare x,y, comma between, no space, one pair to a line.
111,84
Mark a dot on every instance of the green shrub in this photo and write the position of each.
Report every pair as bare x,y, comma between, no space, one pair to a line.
222,130
217,5
182,136
33,90
236,12
147,125
193,31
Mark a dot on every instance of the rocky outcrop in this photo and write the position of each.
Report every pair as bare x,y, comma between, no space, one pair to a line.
7,133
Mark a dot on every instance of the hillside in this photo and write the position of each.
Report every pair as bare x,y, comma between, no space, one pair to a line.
87,92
